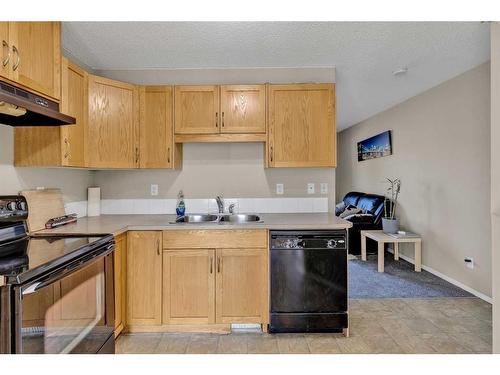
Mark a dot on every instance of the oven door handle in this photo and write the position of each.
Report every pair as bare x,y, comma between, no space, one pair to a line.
63,272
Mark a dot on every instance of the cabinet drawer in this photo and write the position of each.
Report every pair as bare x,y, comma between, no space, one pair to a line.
214,238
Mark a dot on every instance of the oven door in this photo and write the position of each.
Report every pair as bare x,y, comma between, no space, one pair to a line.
68,311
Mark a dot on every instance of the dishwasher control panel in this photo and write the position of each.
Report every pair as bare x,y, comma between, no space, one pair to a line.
308,240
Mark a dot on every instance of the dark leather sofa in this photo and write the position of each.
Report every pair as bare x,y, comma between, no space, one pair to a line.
371,204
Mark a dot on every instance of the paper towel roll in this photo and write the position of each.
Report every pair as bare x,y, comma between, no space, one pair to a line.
94,201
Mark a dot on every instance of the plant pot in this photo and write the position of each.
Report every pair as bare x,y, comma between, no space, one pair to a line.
390,225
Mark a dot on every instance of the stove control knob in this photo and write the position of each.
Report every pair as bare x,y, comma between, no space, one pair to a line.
21,206
331,244
11,206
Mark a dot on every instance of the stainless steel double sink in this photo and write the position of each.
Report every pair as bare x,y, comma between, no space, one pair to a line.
218,219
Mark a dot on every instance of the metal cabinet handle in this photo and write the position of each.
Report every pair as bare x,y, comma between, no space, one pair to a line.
168,155
5,46
136,155
211,265
18,61
222,119
158,246
66,142
218,264
216,119
271,153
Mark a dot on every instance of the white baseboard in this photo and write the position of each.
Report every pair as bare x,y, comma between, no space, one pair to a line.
484,297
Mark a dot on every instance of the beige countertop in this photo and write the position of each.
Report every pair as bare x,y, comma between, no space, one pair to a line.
117,224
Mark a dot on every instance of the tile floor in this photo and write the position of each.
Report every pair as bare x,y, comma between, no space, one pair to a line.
435,325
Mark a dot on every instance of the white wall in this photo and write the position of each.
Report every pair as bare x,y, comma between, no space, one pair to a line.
441,145
232,169
495,179
73,182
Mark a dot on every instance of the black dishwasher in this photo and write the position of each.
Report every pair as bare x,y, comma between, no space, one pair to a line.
308,281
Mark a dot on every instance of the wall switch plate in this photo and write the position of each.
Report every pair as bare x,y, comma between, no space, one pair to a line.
154,189
280,189
324,188
469,262
310,188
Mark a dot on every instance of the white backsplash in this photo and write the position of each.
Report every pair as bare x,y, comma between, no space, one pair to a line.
79,208
246,205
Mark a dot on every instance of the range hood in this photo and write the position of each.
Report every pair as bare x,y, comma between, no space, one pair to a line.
19,107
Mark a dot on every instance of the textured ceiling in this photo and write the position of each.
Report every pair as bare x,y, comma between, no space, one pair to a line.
364,54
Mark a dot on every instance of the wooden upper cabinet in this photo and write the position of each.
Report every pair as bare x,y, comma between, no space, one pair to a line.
302,125
144,277
58,145
5,56
157,148
197,110
74,102
189,286
243,109
35,53
37,146
113,124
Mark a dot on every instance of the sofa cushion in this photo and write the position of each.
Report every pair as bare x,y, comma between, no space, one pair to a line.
360,218
370,203
352,198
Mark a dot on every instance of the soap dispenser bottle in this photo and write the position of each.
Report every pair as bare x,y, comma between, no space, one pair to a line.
180,209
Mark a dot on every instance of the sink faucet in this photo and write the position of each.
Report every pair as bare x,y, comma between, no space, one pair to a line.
220,203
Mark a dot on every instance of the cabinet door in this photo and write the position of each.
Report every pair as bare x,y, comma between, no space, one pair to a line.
189,286
144,278
302,126
241,286
156,127
37,146
36,56
120,281
5,55
113,126
74,102
196,109
243,109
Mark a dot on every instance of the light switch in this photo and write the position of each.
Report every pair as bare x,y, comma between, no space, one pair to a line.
310,188
280,189
154,189
324,188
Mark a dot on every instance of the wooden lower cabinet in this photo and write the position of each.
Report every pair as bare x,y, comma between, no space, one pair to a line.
120,269
144,278
215,277
200,280
189,286
241,286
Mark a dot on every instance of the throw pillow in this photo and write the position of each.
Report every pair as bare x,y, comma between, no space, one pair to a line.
351,210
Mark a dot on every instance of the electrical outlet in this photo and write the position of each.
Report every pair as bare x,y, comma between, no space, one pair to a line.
310,188
324,188
280,189
154,189
469,262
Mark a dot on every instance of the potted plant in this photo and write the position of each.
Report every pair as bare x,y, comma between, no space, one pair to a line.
390,223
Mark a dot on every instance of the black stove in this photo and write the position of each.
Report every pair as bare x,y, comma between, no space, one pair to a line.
56,292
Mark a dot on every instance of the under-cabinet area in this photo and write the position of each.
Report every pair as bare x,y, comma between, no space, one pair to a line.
195,280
